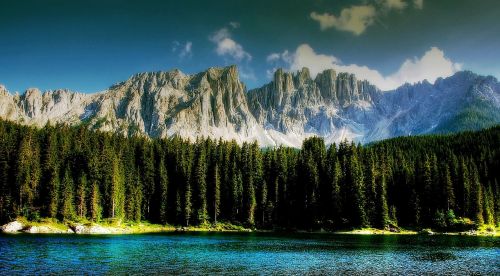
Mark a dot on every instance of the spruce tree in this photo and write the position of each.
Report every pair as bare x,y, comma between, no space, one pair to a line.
67,209
382,212
95,203
5,191
117,190
216,193
356,197
200,182
427,190
28,173
448,189
162,191
488,206
476,197
81,196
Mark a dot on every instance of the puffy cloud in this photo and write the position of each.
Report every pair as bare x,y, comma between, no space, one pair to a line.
394,4
432,65
354,19
226,46
418,4
273,57
183,50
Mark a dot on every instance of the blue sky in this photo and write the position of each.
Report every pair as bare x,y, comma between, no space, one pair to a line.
89,45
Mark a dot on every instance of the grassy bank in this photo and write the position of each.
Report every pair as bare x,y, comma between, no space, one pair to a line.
51,226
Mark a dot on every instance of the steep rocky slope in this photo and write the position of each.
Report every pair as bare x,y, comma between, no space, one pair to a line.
293,106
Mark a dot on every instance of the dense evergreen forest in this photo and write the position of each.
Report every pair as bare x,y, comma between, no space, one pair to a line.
71,173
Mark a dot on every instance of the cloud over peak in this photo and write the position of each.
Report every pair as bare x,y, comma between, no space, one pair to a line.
227,46
432,65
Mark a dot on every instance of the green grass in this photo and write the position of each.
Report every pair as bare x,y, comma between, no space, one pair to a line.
134,227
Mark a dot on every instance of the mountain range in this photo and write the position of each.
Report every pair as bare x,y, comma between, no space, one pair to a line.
293,106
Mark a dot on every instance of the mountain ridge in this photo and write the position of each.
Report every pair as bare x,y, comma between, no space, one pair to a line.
291,107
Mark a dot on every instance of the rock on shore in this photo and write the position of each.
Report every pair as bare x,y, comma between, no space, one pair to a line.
12,227
95,229
46,230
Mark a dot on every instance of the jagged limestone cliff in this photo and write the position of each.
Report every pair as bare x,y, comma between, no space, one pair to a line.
293,106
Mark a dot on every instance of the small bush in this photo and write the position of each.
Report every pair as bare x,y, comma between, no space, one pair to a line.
439,220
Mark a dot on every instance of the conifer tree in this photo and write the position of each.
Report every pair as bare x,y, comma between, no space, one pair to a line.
382,212
5,193
162,191
336,196
216,193
67,209
50,174
371,188
95,203
146,167
81,196
28,172
476,197
117,191
427,190
448,189
200,175
488,206
53,192
356,197
465,181
187,203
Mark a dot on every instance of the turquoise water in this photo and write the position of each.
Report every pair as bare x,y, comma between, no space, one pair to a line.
223,253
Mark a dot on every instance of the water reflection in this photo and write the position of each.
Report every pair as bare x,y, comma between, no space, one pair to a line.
252,253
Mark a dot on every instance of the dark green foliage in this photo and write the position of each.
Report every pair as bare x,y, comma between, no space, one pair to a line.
477,115
67,208
74,173
94,213
216,193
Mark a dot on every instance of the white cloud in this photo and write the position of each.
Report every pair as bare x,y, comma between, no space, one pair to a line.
432,65
354,19
418,4
273,57
234,24
226,46
186,50
393,4
183,50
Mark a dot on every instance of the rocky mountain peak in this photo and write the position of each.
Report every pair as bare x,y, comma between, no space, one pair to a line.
303,76
3,90
326,82
214,103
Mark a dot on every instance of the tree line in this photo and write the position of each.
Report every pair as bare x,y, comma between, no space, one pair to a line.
75,174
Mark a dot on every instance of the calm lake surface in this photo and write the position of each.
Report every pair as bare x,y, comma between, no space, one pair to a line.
227,253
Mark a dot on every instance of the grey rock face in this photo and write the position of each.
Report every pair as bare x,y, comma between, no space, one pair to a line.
293,106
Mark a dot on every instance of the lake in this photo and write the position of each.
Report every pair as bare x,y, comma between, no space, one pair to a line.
248,253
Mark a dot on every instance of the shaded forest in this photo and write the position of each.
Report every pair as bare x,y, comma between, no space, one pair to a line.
74,174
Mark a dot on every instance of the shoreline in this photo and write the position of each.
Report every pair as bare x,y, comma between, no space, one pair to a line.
52,227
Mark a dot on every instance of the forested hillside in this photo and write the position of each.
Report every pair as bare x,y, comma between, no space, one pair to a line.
71,173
